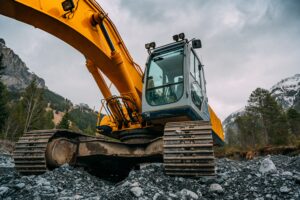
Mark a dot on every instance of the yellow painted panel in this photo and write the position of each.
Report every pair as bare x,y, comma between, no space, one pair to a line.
76,29
216,124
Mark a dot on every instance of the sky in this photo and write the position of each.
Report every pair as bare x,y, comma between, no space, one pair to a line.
245,45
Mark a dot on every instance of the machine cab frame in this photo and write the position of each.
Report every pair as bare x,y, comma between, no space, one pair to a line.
174,85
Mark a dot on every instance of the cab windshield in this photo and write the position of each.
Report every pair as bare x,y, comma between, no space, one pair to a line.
165,78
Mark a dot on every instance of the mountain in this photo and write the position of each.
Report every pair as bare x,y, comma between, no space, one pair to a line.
286,92
16,76
229,121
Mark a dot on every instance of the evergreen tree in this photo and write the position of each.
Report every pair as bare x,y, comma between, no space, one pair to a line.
28,113
255,108
49,124
64,123
231,137
249,127
263,123
3,98
34,106
294,121
89,130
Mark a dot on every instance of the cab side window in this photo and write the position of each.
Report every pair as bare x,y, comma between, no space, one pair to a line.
197,87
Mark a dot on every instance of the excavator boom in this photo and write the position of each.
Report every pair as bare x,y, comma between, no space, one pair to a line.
161,115
100,43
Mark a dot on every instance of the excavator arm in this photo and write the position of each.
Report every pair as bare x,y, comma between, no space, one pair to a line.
185,147
84,25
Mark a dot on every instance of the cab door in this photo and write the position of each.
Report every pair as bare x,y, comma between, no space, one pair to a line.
197,81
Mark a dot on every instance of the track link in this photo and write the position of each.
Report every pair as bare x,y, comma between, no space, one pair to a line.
188,149
29,153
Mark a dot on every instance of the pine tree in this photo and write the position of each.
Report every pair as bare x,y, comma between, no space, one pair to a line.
231,137
48,116
274,126
249,127
3,98
89,130
255,108
34,105
28,113
294,121
64,123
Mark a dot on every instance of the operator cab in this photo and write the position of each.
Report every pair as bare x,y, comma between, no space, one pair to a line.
174,83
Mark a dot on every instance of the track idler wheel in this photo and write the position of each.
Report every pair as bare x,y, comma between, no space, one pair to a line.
61,151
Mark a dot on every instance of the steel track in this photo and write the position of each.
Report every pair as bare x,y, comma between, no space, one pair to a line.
188,149
29,153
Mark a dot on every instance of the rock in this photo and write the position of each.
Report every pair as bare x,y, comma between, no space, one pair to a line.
199,193
6,161
287,173
20,185
126,183
259,198
187,193
42,181
174,196
3,190
268,196
155,197
297,178
70,183
78,197
137,191
2,41
267,166
216,188
16,74
135,184
284,189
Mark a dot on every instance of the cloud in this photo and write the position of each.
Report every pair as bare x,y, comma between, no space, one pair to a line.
246,44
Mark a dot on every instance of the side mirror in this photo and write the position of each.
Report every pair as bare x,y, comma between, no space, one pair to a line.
196,44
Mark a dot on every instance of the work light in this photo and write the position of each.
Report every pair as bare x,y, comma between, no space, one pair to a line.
68,5
175,38
181,36
147,46
150,45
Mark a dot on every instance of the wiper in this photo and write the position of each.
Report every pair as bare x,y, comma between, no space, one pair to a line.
157,59
165,85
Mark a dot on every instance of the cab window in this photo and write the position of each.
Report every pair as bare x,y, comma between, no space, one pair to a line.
165,78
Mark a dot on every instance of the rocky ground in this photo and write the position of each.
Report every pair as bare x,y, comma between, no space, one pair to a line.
275,177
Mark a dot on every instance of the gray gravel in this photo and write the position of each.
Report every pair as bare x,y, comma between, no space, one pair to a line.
234,180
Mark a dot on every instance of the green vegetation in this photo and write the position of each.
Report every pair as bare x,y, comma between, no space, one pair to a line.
34,108
3,98
294,120
64,123
27,113
264,123
57,102
85,119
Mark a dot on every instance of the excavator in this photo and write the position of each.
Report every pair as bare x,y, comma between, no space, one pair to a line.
159,115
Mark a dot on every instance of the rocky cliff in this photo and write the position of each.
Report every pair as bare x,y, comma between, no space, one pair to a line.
17,77
16,74
287,92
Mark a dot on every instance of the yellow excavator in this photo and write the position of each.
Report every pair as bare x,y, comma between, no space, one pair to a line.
160,115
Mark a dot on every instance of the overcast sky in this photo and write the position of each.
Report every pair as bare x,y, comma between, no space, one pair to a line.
246,44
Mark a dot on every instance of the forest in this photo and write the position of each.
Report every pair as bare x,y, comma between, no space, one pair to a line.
34,109
264,123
